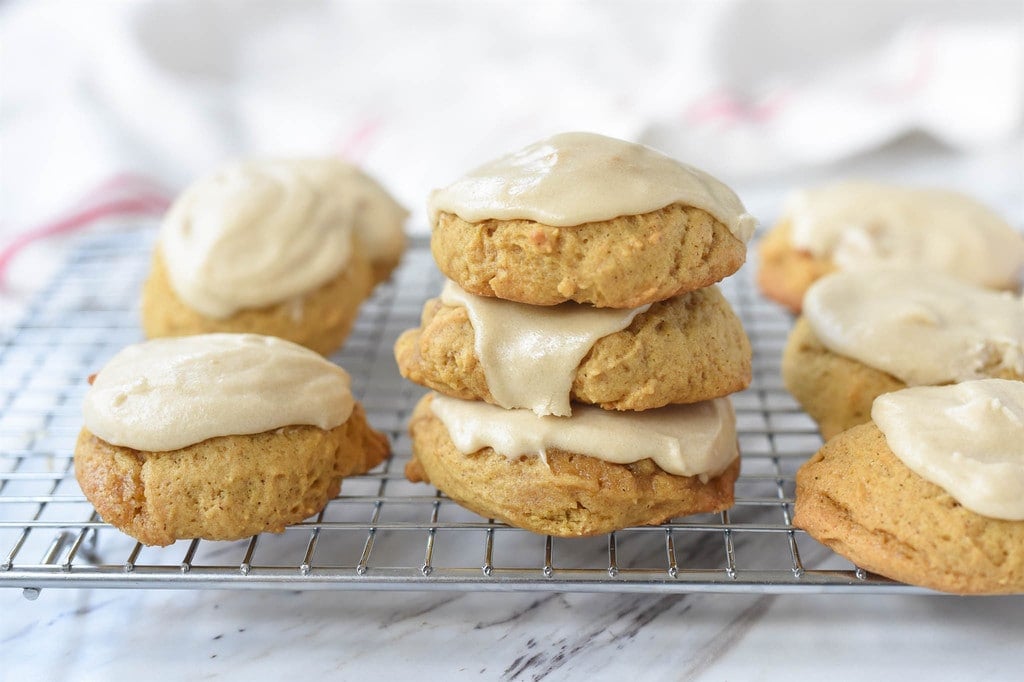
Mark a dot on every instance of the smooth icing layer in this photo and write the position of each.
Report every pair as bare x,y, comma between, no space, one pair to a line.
170,393
966,438
685,440
260,232
861,224
529,353
379,220
576,178
920,326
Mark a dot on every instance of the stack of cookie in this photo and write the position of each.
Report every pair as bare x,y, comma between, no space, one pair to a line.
580,352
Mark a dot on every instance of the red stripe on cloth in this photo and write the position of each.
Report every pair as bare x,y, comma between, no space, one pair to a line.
724,107
354,147
143,204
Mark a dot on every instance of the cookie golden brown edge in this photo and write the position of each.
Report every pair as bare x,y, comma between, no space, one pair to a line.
683,350
319,320
624,262
228,487
837,391
856,497
568,495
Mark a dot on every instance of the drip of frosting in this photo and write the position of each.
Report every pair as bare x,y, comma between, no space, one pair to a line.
920,326
167,394
259,232
861,224
530,354
576,178
967,438
685,440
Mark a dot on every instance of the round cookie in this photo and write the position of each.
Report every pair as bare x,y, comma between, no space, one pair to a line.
320,319
587,218
624,262
568,495
855,225
224,488
218,436
686,349
869,332
858,498
836,391
283,247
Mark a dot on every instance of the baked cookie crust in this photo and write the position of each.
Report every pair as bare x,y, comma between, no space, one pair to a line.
624,262
858,498
683,350
570,495
785,273
836,391
320,320
225,488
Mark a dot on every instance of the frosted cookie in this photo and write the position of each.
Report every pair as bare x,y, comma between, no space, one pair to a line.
587,218
865,333
593,473
929,492
853,225
684,350
219,437
287,248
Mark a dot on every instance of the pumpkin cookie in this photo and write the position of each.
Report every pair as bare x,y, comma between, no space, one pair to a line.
586,218
853,225
862,499
219,437
572,493
684,350
871,332
288,248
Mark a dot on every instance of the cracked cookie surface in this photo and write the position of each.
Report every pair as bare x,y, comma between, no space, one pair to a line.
624,262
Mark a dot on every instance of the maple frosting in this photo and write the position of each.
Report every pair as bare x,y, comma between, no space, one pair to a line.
264,231
576,178
920,326
529,354
167,394
860,224
966,438
685,440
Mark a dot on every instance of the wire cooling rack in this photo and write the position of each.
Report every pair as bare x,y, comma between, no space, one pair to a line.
381,532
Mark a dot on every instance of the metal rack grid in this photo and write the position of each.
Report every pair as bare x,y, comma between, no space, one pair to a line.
381,532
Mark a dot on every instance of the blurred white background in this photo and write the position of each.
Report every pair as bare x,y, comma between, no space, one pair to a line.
109,108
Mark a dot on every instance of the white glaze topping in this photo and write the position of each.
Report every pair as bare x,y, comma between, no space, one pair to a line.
167,394
685,440
264,231
860,224
920,326
529,353
575,178
966,438
379,220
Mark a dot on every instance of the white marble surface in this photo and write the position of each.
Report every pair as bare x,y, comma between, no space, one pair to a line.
112,634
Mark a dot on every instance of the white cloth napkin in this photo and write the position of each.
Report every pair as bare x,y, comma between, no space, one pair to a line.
419,92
